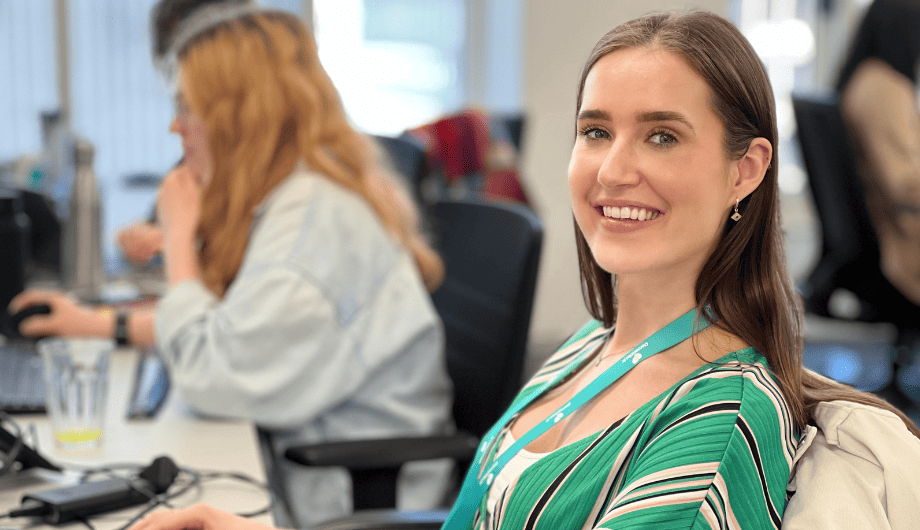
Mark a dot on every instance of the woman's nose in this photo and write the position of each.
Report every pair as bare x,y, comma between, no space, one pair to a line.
619,167
174,126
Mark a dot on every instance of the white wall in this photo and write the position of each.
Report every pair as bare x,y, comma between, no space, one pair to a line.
558,35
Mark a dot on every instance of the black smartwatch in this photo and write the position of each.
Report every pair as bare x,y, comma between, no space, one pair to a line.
121,328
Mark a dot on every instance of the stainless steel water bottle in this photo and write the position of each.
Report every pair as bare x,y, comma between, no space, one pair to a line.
81,261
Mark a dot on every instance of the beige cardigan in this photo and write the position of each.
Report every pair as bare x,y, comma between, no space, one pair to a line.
859,469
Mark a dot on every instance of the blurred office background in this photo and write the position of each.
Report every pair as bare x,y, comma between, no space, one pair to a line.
403,63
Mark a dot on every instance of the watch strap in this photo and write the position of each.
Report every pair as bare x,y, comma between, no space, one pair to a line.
121,328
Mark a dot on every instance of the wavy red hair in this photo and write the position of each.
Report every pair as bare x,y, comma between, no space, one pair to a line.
266,101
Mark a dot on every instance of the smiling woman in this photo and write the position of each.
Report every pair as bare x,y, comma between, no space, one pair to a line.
652,188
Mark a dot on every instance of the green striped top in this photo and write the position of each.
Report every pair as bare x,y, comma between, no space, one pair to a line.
713,451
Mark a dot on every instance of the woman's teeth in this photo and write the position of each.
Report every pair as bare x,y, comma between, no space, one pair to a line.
637,214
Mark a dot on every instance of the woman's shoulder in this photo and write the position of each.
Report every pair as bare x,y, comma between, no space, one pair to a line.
742,376
741,388
875,92
309,209
304,185
735,403
739,385
876,73
326,233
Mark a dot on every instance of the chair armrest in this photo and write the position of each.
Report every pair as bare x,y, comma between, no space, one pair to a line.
384,452
387,520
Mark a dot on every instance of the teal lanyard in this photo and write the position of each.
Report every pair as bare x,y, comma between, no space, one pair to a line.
478,479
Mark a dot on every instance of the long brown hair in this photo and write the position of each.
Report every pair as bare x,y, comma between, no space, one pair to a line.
744,284
257,83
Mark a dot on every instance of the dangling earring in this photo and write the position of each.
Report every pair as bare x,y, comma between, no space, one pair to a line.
736,216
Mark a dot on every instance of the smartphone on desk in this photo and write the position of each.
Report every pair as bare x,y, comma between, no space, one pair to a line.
150,386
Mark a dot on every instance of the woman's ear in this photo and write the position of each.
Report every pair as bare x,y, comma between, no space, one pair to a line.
750,169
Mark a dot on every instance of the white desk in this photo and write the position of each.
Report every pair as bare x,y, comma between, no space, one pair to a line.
191,442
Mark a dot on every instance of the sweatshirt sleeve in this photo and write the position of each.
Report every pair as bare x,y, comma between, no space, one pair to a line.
273,349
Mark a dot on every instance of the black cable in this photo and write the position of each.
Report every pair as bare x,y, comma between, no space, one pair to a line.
163,499
186,480
154,499
159,501
250,480
10,459
197,478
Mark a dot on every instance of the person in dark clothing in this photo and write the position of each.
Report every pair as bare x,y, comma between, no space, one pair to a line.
878,101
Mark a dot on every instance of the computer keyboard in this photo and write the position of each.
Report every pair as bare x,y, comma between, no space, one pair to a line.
22,378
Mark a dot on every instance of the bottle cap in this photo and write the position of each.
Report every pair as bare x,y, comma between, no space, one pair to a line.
83,152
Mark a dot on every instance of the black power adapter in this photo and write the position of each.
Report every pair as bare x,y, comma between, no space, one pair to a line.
90,498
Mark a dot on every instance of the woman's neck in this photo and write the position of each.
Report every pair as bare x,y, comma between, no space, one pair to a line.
644,307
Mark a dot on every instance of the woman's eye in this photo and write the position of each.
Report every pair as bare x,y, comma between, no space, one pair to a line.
663,138
594,134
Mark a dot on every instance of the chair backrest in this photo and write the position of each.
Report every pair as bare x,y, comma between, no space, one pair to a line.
491,253
513,124
408,157
849,246
837,189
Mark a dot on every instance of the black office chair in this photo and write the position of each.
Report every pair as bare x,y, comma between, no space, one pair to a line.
849,244
408,157
492,253
512,125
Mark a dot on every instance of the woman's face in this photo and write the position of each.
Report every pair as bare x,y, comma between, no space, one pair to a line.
649,177
195,145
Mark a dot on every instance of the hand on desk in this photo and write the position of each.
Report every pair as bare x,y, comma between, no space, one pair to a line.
199,517
67,317
178,205
140,242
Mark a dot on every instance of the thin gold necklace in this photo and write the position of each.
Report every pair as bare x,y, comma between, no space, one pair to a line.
601,356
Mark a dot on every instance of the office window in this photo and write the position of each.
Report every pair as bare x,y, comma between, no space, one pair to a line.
118,102
396,63
28,72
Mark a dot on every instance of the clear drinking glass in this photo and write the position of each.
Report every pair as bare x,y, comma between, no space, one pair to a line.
76,375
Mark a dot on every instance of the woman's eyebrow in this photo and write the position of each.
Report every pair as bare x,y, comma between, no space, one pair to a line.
650,116
592,114
663,115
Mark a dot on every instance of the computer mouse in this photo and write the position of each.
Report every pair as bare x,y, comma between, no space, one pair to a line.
16,318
